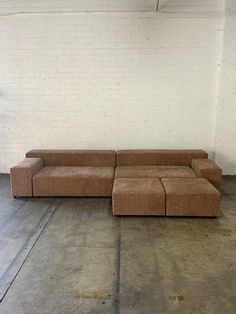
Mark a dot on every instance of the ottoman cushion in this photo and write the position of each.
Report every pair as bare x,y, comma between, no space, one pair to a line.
135,196
191,197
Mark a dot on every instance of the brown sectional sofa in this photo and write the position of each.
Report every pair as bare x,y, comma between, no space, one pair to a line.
141,182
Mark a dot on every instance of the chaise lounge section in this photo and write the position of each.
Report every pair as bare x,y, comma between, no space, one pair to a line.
181,174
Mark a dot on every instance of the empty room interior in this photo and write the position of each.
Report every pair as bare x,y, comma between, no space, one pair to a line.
118,156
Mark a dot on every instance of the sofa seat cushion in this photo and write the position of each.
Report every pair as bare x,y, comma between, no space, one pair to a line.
191,197
73,181
135,196
154,172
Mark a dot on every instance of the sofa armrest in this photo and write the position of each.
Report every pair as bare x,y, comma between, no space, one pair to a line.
206,168
21,176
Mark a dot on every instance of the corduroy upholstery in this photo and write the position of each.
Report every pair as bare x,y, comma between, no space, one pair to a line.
147,182
206,168
191,197
73,181
158,157
21,176
66,173
132,196
154,172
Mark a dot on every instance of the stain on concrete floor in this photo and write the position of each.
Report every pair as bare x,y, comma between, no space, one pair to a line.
87,261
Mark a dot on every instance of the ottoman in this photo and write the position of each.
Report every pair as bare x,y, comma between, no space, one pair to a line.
138,196
191,197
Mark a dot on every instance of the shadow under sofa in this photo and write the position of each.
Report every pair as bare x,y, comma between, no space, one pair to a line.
141,182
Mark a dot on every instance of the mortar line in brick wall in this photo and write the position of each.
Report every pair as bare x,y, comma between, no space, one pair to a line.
75,12
172,14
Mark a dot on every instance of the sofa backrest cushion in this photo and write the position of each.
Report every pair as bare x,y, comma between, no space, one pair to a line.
92,158
161,157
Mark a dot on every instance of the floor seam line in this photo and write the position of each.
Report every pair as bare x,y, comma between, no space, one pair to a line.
116,300
24,247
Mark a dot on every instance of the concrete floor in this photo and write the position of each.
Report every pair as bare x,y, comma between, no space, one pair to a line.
72,256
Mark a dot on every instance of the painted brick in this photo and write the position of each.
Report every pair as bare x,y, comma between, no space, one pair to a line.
108,80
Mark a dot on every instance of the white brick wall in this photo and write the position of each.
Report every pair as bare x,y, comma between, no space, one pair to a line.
226,113
107,80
